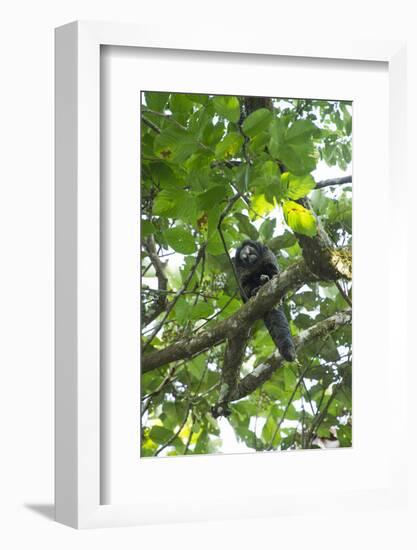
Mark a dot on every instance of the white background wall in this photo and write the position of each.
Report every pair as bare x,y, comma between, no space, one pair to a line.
26,274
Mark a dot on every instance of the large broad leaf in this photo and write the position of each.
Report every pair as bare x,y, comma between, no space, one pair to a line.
268,181
162,174
198,98
300,159
211,197
182,310
282,241
229,146
175,144
294,146
300,219
147,228
201,310
298,186
180,240
227,107
267,229
175,203
260,206
257,122
277,132
215,245
180,103
156,100
159,434
300,131
165,202
270,434
246,227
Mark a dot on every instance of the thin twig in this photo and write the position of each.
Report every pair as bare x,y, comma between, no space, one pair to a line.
151,125
334,181
284,414
217,313
187,445
228,208
174,435
177,296
343,293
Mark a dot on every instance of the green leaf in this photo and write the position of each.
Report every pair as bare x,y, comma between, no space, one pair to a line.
300,159
300,219
180,103
282,241
212,197
198,98
147,228
246,227
260,205
277,132
156,101
213,219
164,202
196,366
272,390
202,443
159,434
298,186
257,122
294,146
229,146
300,131
162,174
175,203
344,435
290,378
175,144
270,431
182,310
180,240
227,107
201,310
267,229
215,245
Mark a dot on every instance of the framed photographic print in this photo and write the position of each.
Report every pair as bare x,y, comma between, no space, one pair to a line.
214,203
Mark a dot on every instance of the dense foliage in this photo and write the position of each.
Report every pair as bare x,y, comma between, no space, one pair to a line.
217,170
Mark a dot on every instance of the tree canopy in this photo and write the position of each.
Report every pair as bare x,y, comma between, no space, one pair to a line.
216,170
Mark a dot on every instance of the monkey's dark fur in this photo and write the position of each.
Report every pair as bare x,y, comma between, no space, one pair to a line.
256,264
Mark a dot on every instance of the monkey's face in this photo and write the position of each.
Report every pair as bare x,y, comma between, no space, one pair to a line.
248,255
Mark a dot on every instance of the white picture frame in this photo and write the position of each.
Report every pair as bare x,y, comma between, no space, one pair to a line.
78,411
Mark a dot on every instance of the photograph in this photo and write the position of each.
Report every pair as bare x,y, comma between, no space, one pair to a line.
246,274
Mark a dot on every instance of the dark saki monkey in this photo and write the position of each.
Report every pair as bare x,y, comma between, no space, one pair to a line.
256,264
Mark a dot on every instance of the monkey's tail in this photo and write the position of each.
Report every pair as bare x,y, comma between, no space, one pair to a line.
278,327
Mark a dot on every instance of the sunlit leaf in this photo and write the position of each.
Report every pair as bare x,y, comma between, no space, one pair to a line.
229,146
300,219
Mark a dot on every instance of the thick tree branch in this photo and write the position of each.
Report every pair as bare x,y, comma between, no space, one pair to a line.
263,372
270,294
322,257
